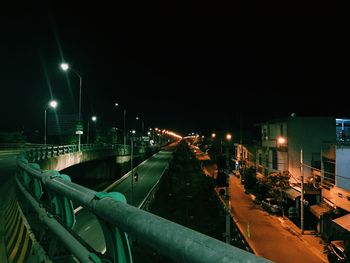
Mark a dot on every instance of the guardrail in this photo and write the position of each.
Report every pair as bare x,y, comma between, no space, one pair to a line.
170,239
44,152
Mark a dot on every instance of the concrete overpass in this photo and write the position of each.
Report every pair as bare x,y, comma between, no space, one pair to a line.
53,196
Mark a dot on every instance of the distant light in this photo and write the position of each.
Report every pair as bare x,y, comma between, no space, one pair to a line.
228,136
149,133
116,104
133,131
213,135
281,140
137,118
64,66
94,118
53,104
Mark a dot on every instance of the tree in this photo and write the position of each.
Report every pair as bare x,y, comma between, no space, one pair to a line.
274,184
249,176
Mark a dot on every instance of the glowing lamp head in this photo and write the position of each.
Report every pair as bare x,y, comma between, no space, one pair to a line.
94,118
64,66
53,104
281,140
228,136
213,135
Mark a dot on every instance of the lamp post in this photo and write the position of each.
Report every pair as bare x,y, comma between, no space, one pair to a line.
142,127
94,119
132,165
227,193
65,67
302,192
124,122
52,104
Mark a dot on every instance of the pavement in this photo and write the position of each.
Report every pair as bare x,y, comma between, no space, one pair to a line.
313,242
273,237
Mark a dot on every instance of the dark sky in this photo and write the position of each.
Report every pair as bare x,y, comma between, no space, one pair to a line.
194,73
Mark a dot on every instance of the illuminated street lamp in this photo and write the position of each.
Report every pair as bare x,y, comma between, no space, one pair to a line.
227,192
124,122
79,131
213,135
94,119
281,141
132,165
142,127
52,104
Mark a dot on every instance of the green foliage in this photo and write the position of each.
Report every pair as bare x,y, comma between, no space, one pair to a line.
186,197
273,185
249,176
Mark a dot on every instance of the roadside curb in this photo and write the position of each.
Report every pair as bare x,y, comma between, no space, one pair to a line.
286,223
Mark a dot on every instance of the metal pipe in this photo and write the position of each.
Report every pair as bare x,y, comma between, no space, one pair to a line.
72,244
172,240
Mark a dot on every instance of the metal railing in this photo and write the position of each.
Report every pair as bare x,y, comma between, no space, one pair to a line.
44,152
51,195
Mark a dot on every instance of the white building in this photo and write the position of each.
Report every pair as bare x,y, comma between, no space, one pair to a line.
283,140
335,168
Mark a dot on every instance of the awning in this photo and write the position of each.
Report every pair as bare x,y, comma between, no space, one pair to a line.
320,209
343,221
292,193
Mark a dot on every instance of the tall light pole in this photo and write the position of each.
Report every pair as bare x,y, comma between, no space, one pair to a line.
142,127
227,192
302,192
52,104
132,166
79,130
94,119
124,122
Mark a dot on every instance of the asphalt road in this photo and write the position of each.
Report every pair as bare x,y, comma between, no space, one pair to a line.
150,171
268,236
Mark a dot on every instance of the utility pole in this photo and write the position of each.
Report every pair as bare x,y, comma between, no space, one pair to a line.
124,119
132,170
227,195
302,193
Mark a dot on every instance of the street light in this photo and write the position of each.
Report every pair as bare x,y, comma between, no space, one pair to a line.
132,165
65,67
94,119
124,121
142,127
227,194
52,104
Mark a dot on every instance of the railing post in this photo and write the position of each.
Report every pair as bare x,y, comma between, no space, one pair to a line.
117,243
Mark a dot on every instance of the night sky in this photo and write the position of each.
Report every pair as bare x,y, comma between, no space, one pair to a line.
184,74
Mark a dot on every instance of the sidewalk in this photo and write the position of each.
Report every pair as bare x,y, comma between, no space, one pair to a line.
315,243
272,237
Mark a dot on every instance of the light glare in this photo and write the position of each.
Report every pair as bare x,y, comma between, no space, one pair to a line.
53,104
64,66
